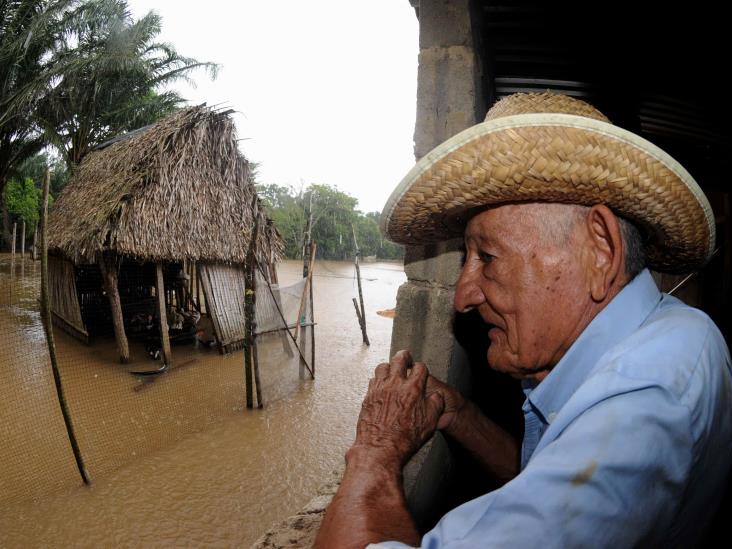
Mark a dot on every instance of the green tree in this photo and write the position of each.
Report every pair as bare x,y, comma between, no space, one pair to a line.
385,248
73,73
111,75
35,168
335,218
22,200
29,31
333,214
287,211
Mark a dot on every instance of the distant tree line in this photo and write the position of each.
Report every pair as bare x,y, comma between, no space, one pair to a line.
73,74
334,221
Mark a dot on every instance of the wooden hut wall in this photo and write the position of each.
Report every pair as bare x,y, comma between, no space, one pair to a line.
64,298
224,288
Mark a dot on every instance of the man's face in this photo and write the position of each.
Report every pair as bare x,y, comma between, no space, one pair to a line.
523,273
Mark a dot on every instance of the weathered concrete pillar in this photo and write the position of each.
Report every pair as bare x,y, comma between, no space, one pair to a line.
449,100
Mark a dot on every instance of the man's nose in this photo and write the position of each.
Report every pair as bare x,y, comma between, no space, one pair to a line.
468,294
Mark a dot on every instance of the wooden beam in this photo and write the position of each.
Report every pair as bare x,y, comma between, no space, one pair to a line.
108,266
162,314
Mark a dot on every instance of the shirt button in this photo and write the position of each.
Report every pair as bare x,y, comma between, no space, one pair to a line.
551,417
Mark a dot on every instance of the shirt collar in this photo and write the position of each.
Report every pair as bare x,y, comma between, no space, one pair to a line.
621,317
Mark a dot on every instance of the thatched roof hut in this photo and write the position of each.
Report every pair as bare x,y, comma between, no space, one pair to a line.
174,197
178,189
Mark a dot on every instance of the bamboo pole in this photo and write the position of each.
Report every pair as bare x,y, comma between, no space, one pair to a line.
312,314
48,328
22,241
164,337
198,288
306,290
108,266
360,313
250,354
35,240
12,246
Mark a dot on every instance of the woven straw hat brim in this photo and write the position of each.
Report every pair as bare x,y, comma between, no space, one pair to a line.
555,158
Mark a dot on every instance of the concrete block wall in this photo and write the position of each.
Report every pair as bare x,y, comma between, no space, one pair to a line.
449,100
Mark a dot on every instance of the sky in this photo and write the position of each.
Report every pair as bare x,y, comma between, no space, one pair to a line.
325,90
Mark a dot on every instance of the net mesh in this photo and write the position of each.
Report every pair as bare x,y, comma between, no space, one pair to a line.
121,412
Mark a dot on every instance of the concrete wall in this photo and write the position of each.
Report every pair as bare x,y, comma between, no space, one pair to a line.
449,100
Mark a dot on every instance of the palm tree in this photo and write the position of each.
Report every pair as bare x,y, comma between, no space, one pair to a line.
111,75
29,30
75,72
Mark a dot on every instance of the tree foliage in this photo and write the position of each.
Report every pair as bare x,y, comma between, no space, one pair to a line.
22,199
29,32
74,73
334,221
110,76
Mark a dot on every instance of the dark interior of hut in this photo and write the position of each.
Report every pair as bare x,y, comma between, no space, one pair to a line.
137,289
652,71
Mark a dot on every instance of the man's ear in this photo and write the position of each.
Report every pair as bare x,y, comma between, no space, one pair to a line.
605,260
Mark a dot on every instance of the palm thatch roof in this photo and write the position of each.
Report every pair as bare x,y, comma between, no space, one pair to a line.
179,189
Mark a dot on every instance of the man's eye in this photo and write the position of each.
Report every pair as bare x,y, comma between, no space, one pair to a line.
485,257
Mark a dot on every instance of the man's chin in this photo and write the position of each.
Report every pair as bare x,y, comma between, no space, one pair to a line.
504,362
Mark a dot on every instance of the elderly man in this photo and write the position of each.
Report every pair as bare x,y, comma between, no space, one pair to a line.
628,424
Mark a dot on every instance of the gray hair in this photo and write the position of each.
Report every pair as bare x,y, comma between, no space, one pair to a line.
559,226
635,250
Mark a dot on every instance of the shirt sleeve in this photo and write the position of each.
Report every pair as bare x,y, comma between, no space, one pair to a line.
613,477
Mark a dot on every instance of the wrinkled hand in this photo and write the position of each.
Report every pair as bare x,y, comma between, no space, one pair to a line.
454,401
398,416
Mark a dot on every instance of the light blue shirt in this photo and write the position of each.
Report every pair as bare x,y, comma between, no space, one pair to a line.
627,443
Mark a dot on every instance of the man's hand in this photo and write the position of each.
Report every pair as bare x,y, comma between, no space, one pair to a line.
454,402
397,417
398,414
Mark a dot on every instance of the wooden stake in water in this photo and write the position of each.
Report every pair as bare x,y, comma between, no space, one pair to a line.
110,279
162,313
35,240
48,328
250,351
360,313
12,246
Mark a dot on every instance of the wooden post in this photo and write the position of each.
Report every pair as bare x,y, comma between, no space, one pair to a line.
12,246
250,353
35,240
308,238
48,328
273,279
160,291
312,314
361,314
306,294
198,289
22,240
108,266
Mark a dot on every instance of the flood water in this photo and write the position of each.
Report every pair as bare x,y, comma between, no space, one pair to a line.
177,460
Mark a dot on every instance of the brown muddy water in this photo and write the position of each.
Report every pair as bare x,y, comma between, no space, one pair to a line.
178,461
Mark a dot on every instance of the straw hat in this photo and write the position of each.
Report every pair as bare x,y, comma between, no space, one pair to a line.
547,147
